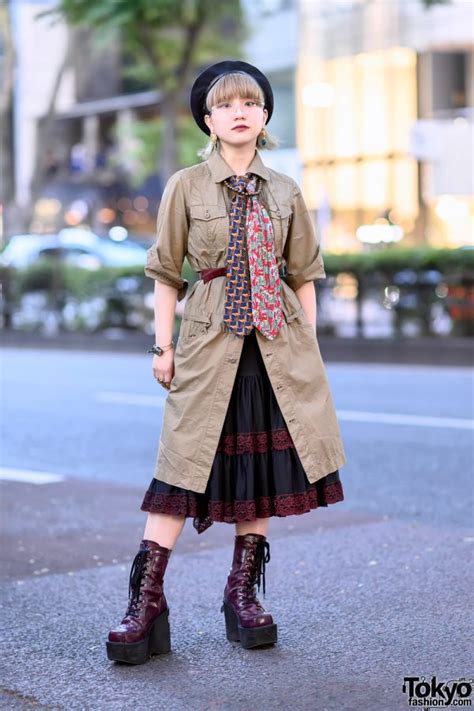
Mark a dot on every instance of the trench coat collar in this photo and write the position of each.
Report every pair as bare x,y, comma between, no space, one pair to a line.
220,170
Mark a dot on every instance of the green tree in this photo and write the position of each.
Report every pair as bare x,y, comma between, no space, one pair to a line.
430,3
165,42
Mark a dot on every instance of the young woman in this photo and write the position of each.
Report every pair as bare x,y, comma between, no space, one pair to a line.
249,426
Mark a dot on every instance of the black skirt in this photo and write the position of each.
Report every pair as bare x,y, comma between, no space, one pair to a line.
256,471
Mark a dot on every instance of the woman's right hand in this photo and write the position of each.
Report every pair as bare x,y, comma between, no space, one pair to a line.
163,368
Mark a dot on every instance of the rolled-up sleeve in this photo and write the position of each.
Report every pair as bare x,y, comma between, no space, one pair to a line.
302,251
165,258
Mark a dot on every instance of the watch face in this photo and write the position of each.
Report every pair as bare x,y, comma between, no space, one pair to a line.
157,350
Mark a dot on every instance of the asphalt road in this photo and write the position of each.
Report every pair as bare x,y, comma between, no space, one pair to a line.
368,591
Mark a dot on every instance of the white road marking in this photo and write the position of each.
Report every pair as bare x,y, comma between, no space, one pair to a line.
28,476
395,419
130,399
346,415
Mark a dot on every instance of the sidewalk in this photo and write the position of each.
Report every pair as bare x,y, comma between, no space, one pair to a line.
420,351
359,602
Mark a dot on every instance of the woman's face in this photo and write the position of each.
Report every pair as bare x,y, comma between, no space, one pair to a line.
228,119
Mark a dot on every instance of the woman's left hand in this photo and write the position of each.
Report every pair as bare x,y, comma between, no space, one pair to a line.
163,368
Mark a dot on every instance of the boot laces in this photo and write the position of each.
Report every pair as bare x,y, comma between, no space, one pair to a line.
263,556
256,573
137,575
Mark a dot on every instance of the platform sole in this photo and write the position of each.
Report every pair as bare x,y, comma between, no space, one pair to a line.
158,641
248,637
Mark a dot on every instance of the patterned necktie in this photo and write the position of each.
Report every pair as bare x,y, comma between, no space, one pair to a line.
252,290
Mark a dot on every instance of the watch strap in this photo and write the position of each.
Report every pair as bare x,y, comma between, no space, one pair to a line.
159,350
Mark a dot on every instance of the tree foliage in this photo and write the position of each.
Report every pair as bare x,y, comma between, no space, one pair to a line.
164,44
164,38
431,3
141,142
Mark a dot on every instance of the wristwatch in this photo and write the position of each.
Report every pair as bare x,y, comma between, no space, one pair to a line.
159,350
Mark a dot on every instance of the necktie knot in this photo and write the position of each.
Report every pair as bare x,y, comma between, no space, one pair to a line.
244,184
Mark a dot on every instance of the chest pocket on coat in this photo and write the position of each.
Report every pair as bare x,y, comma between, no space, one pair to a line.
208,229
280,218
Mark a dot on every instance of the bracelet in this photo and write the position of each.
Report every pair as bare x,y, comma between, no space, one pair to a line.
159,350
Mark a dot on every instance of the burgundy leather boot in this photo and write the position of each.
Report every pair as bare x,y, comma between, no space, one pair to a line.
145,628
245,619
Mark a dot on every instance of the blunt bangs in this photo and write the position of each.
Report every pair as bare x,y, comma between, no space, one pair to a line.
234,84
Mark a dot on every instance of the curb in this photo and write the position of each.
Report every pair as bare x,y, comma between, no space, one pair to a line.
416,351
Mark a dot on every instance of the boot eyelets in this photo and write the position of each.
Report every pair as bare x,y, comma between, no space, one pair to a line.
146,620
241,605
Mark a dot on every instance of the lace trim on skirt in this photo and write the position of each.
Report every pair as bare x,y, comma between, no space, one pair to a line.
204,512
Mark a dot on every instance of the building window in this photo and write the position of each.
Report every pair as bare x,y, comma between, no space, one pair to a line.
354,120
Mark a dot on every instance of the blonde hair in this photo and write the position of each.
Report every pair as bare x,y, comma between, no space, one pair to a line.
227,87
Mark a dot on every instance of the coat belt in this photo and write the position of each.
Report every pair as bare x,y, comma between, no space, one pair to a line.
208,274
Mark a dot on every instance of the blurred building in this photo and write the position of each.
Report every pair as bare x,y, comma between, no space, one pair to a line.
384,98
71,107
272,46
373,108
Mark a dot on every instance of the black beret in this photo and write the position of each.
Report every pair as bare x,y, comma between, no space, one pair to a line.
210,76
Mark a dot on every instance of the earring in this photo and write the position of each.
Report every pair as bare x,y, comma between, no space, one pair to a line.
262,137
213,138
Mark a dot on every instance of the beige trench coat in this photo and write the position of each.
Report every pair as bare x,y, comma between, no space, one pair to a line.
193,223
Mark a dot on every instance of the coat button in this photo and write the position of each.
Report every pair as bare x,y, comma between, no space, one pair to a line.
292,419
278,213
232,360
208,214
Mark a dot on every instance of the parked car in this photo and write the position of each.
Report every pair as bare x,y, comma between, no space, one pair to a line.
76,246
41,297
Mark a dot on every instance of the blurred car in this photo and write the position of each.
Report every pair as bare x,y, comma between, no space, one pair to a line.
41,299
75,246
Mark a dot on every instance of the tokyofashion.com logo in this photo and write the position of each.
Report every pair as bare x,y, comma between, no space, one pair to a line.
434,693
